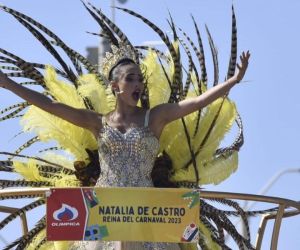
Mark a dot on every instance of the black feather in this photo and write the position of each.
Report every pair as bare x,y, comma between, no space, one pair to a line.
21,211
214,53
233,53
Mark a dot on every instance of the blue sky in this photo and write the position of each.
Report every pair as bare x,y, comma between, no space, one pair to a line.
268,103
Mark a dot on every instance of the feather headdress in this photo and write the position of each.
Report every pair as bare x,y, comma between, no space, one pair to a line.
114,57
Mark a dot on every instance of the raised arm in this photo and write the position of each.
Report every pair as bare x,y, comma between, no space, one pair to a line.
166,113
79,117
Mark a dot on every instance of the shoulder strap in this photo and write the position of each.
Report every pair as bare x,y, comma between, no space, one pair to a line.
103,120
147,118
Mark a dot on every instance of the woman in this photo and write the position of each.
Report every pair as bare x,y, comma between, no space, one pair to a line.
129,133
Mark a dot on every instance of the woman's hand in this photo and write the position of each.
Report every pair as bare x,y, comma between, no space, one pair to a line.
3,79
243,66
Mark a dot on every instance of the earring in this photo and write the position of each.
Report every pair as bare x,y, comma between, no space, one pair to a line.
144,97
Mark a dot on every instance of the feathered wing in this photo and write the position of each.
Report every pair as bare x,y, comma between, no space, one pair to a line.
206,141
100,96
192,143
204,148
158,87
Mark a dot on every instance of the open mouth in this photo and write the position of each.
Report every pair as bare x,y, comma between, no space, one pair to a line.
136,95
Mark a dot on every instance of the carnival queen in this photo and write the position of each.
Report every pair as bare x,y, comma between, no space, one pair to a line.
128,136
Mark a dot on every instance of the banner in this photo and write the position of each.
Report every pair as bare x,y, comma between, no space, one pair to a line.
123,214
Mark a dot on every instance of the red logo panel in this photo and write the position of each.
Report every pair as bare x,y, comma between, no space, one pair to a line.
66,214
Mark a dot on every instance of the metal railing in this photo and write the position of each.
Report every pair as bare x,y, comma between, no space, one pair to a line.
282,212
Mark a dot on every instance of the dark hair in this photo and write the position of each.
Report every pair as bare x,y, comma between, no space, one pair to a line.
162,171
114,72
88,174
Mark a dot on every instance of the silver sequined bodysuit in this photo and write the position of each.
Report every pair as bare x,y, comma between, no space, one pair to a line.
126,160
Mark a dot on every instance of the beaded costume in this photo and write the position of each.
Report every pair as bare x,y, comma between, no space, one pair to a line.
127,160
189,146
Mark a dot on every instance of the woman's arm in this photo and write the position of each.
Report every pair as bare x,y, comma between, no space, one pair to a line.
166,113
80,117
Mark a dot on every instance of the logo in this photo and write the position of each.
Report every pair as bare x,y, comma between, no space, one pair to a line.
65,213
190,234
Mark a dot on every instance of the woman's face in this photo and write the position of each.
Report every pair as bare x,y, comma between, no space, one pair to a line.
130,84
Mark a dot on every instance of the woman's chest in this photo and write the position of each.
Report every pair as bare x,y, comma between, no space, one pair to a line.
136,141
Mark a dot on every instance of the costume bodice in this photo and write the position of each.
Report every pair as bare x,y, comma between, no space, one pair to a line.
126,159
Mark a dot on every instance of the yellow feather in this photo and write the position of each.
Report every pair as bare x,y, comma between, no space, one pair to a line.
47,246
195,88
61,245
174,132
219,169
62,91
222,126
57,158
212,172
28,170
53,245
65,181
174,142
101,98
36,240
158,86
48,127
